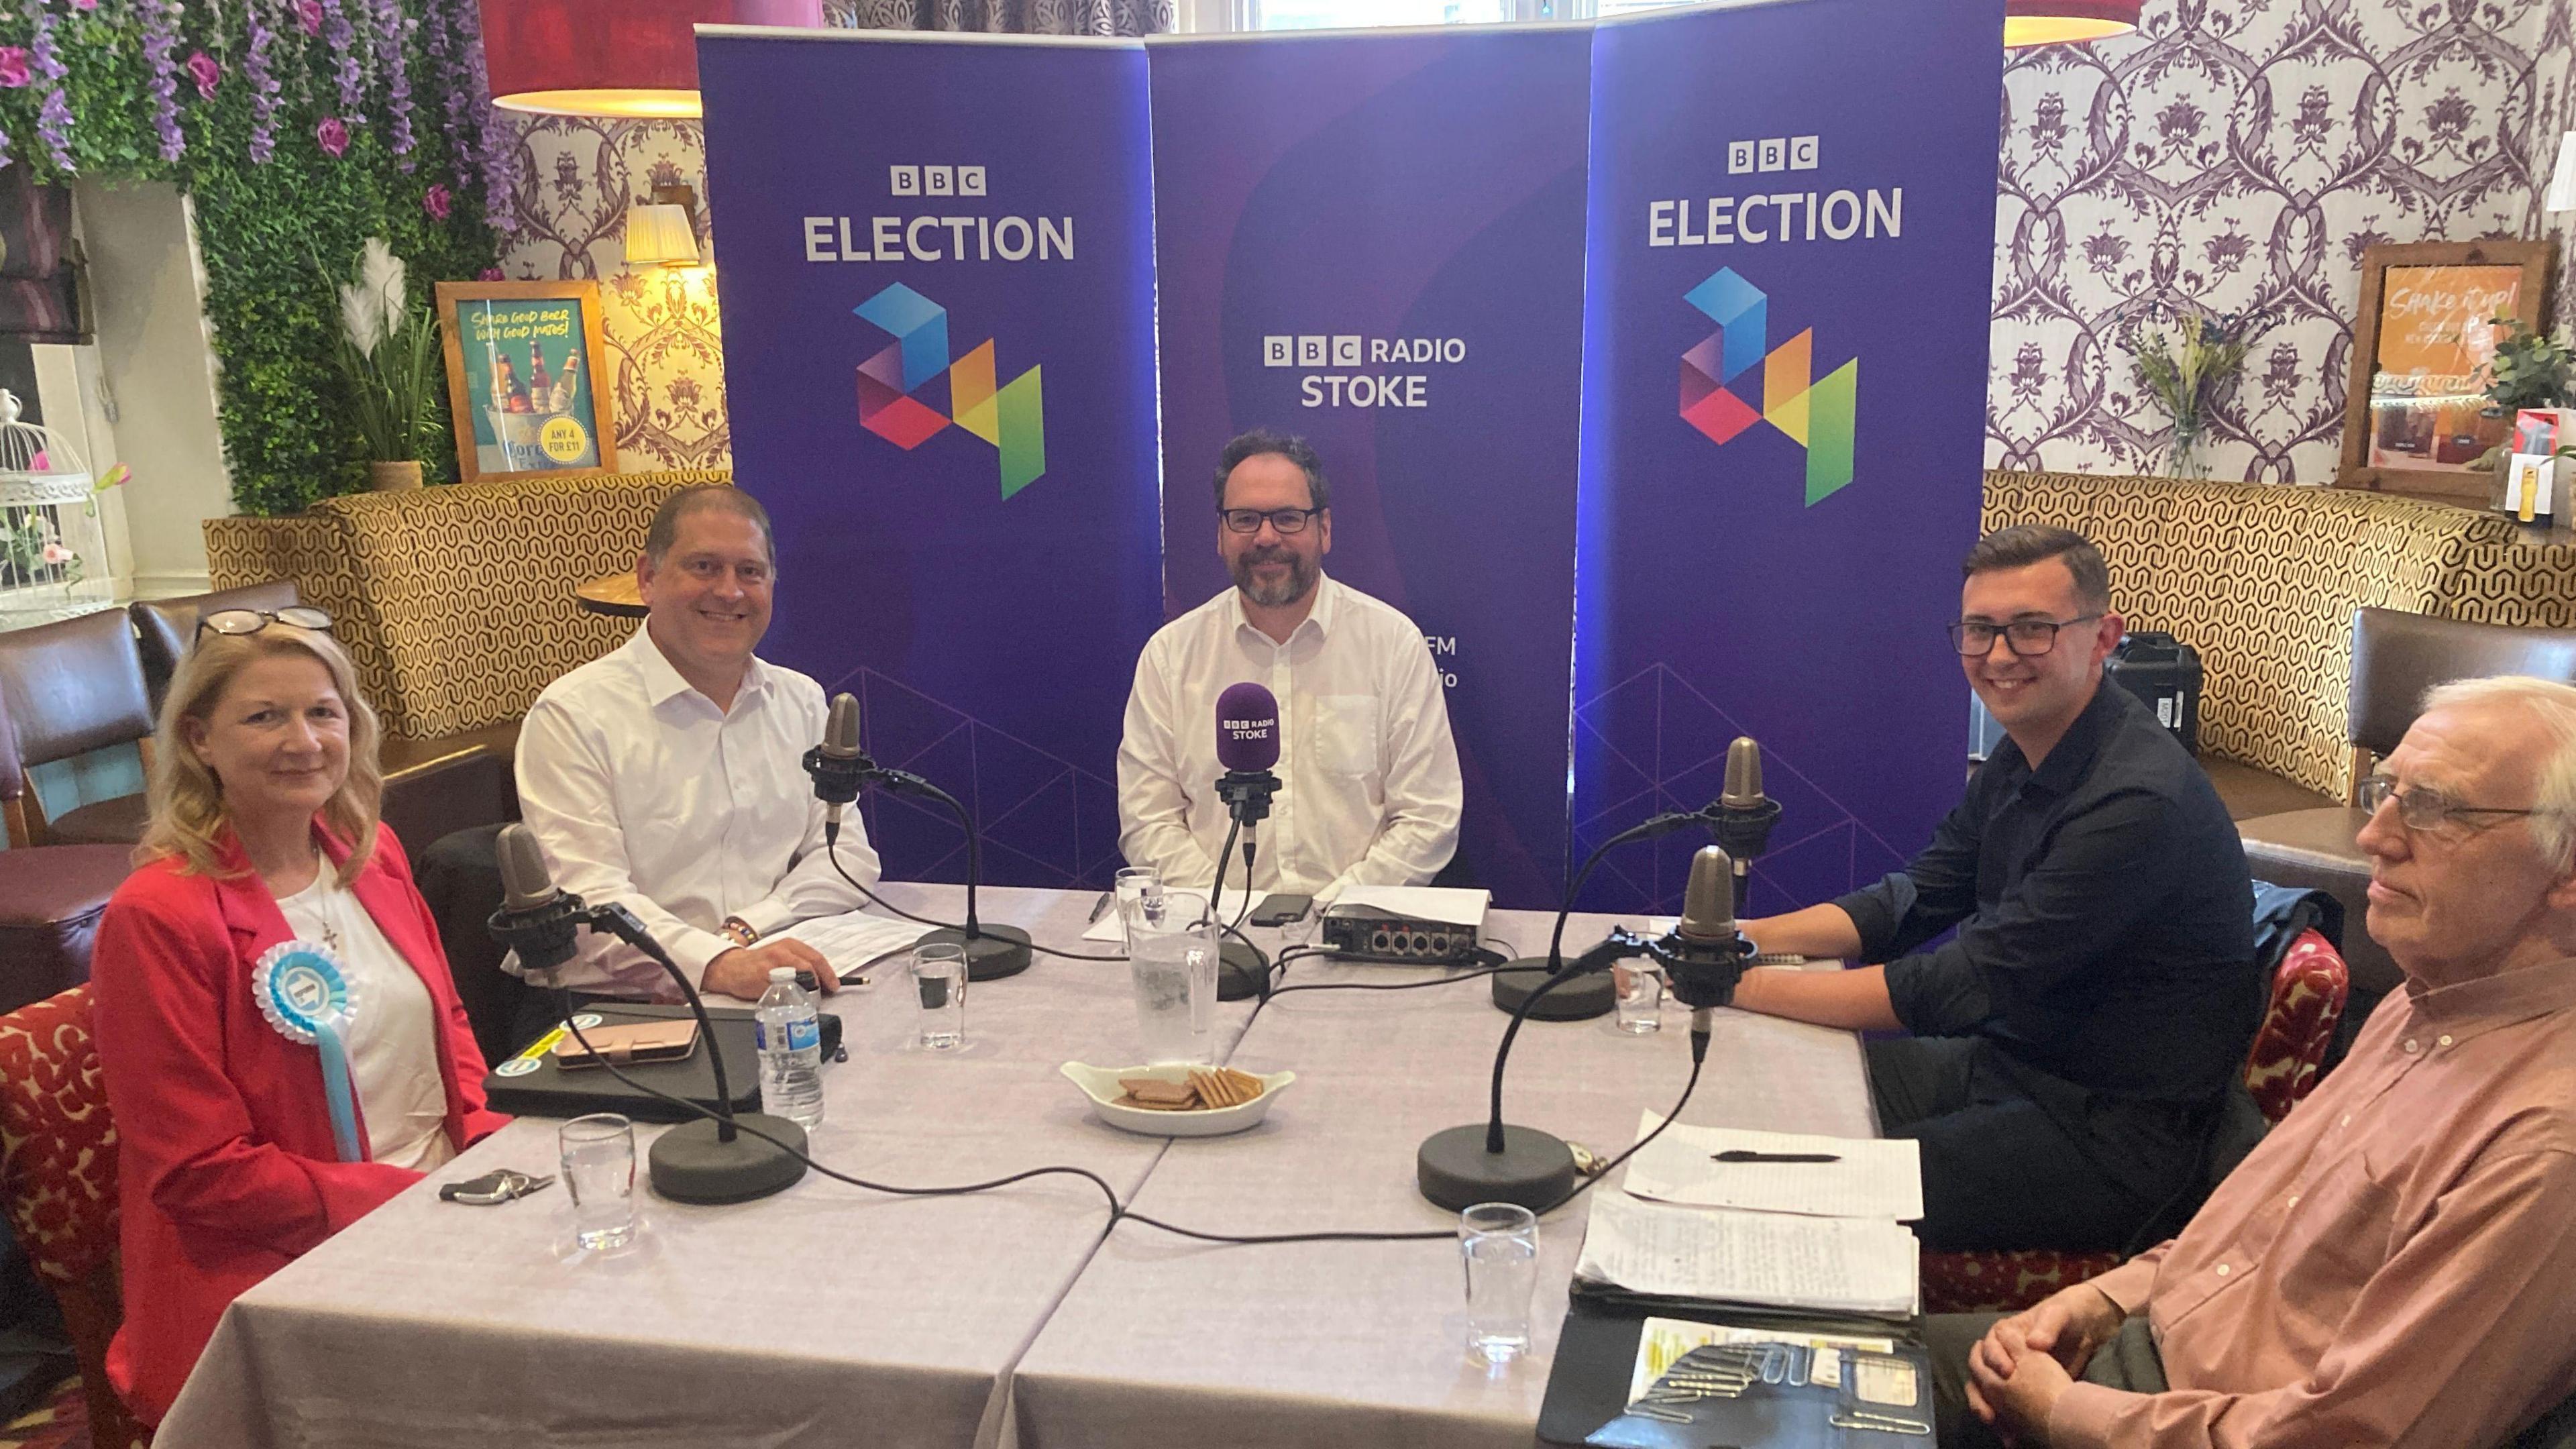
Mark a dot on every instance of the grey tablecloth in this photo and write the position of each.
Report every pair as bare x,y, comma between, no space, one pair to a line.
1165,1342
830,1315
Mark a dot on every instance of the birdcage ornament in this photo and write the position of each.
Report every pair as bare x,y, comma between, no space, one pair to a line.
50,538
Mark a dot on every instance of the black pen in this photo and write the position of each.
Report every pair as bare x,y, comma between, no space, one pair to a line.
1742,1154
1102,904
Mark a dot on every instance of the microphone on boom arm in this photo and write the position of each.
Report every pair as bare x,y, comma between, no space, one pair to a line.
705,1160
841,769
1703,955
1739,819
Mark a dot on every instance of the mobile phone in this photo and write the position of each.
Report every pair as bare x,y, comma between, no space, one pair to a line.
1279,910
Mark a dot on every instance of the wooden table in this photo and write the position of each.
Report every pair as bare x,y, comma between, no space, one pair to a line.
616,595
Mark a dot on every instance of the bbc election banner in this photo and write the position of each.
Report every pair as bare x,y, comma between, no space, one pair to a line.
1791,242
1376,241
937,291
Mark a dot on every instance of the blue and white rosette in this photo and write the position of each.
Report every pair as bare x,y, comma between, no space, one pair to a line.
305,994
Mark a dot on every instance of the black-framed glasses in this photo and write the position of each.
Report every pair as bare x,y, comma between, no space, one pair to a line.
2425,809
251,621
2025,637
1249,520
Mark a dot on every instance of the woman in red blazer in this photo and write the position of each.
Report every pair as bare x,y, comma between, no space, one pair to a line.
264,797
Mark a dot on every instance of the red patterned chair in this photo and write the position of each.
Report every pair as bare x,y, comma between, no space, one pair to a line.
2308,995
58,1185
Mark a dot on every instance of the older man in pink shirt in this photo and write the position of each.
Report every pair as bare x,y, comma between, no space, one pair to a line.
2396,1263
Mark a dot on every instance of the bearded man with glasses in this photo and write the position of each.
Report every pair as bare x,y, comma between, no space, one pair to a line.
2069,1047
1370,786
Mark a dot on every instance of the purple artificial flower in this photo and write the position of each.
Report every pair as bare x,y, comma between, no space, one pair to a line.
308,14
84,4
391,28
160,39
345,50
489,274
203,67
436,201
333,133
13,66
263,84
54,117
500,142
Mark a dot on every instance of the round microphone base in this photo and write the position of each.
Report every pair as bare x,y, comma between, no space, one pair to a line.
1535,1169
996,951
1581,999
1241,970
691,1163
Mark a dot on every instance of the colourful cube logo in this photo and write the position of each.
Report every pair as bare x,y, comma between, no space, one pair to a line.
1815,415
1011,417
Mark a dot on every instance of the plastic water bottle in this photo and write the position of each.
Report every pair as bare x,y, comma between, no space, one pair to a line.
791,1051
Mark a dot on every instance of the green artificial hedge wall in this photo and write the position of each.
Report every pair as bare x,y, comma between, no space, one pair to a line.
113,89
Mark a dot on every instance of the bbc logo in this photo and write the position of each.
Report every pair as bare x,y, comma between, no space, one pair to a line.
1779,153
1311,351
938,180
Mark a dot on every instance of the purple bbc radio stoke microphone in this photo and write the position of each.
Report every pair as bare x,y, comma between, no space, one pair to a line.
1247,745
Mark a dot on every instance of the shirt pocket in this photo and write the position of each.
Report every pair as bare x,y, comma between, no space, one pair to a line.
1346,734
2334,1235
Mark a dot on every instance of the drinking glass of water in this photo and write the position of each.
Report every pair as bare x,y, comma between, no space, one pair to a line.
599,1176
1499,1243
1135,885
939,979
1172,953
1641,1001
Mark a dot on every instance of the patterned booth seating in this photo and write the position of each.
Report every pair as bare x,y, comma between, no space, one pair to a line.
2263,579
456,603
58,1185
2308,994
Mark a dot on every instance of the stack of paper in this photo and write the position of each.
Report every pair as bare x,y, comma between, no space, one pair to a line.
1793,1222
1771,1260
852,940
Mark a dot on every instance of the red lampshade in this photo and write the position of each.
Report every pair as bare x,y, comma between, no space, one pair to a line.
612,57
2038,22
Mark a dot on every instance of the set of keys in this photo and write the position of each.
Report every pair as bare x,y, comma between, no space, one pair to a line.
493,1188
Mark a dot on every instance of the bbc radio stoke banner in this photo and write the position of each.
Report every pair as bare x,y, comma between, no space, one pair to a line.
1791,242
937,291
1376,241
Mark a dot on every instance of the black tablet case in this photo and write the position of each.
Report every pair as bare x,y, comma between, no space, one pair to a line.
550,1091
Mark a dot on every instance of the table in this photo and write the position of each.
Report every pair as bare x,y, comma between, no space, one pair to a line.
618,596
1163,1341
831,1315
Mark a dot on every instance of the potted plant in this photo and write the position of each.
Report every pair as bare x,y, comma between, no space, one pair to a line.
2188,364
388,355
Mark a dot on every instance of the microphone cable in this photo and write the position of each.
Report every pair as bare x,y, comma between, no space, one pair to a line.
1119,1211
831,851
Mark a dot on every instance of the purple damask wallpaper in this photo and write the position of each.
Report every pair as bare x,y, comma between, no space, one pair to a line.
2233,155
2237,155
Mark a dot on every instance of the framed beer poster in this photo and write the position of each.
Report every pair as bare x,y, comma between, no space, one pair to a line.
523,382
2416,415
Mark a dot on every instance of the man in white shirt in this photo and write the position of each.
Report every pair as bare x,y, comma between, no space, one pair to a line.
668,776
1370,788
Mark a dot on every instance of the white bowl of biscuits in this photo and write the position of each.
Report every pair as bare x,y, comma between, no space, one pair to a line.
1176,1099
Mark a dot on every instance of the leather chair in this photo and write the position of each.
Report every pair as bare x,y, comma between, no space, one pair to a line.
2395,658
51,897
58,1185
164,628
73,687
